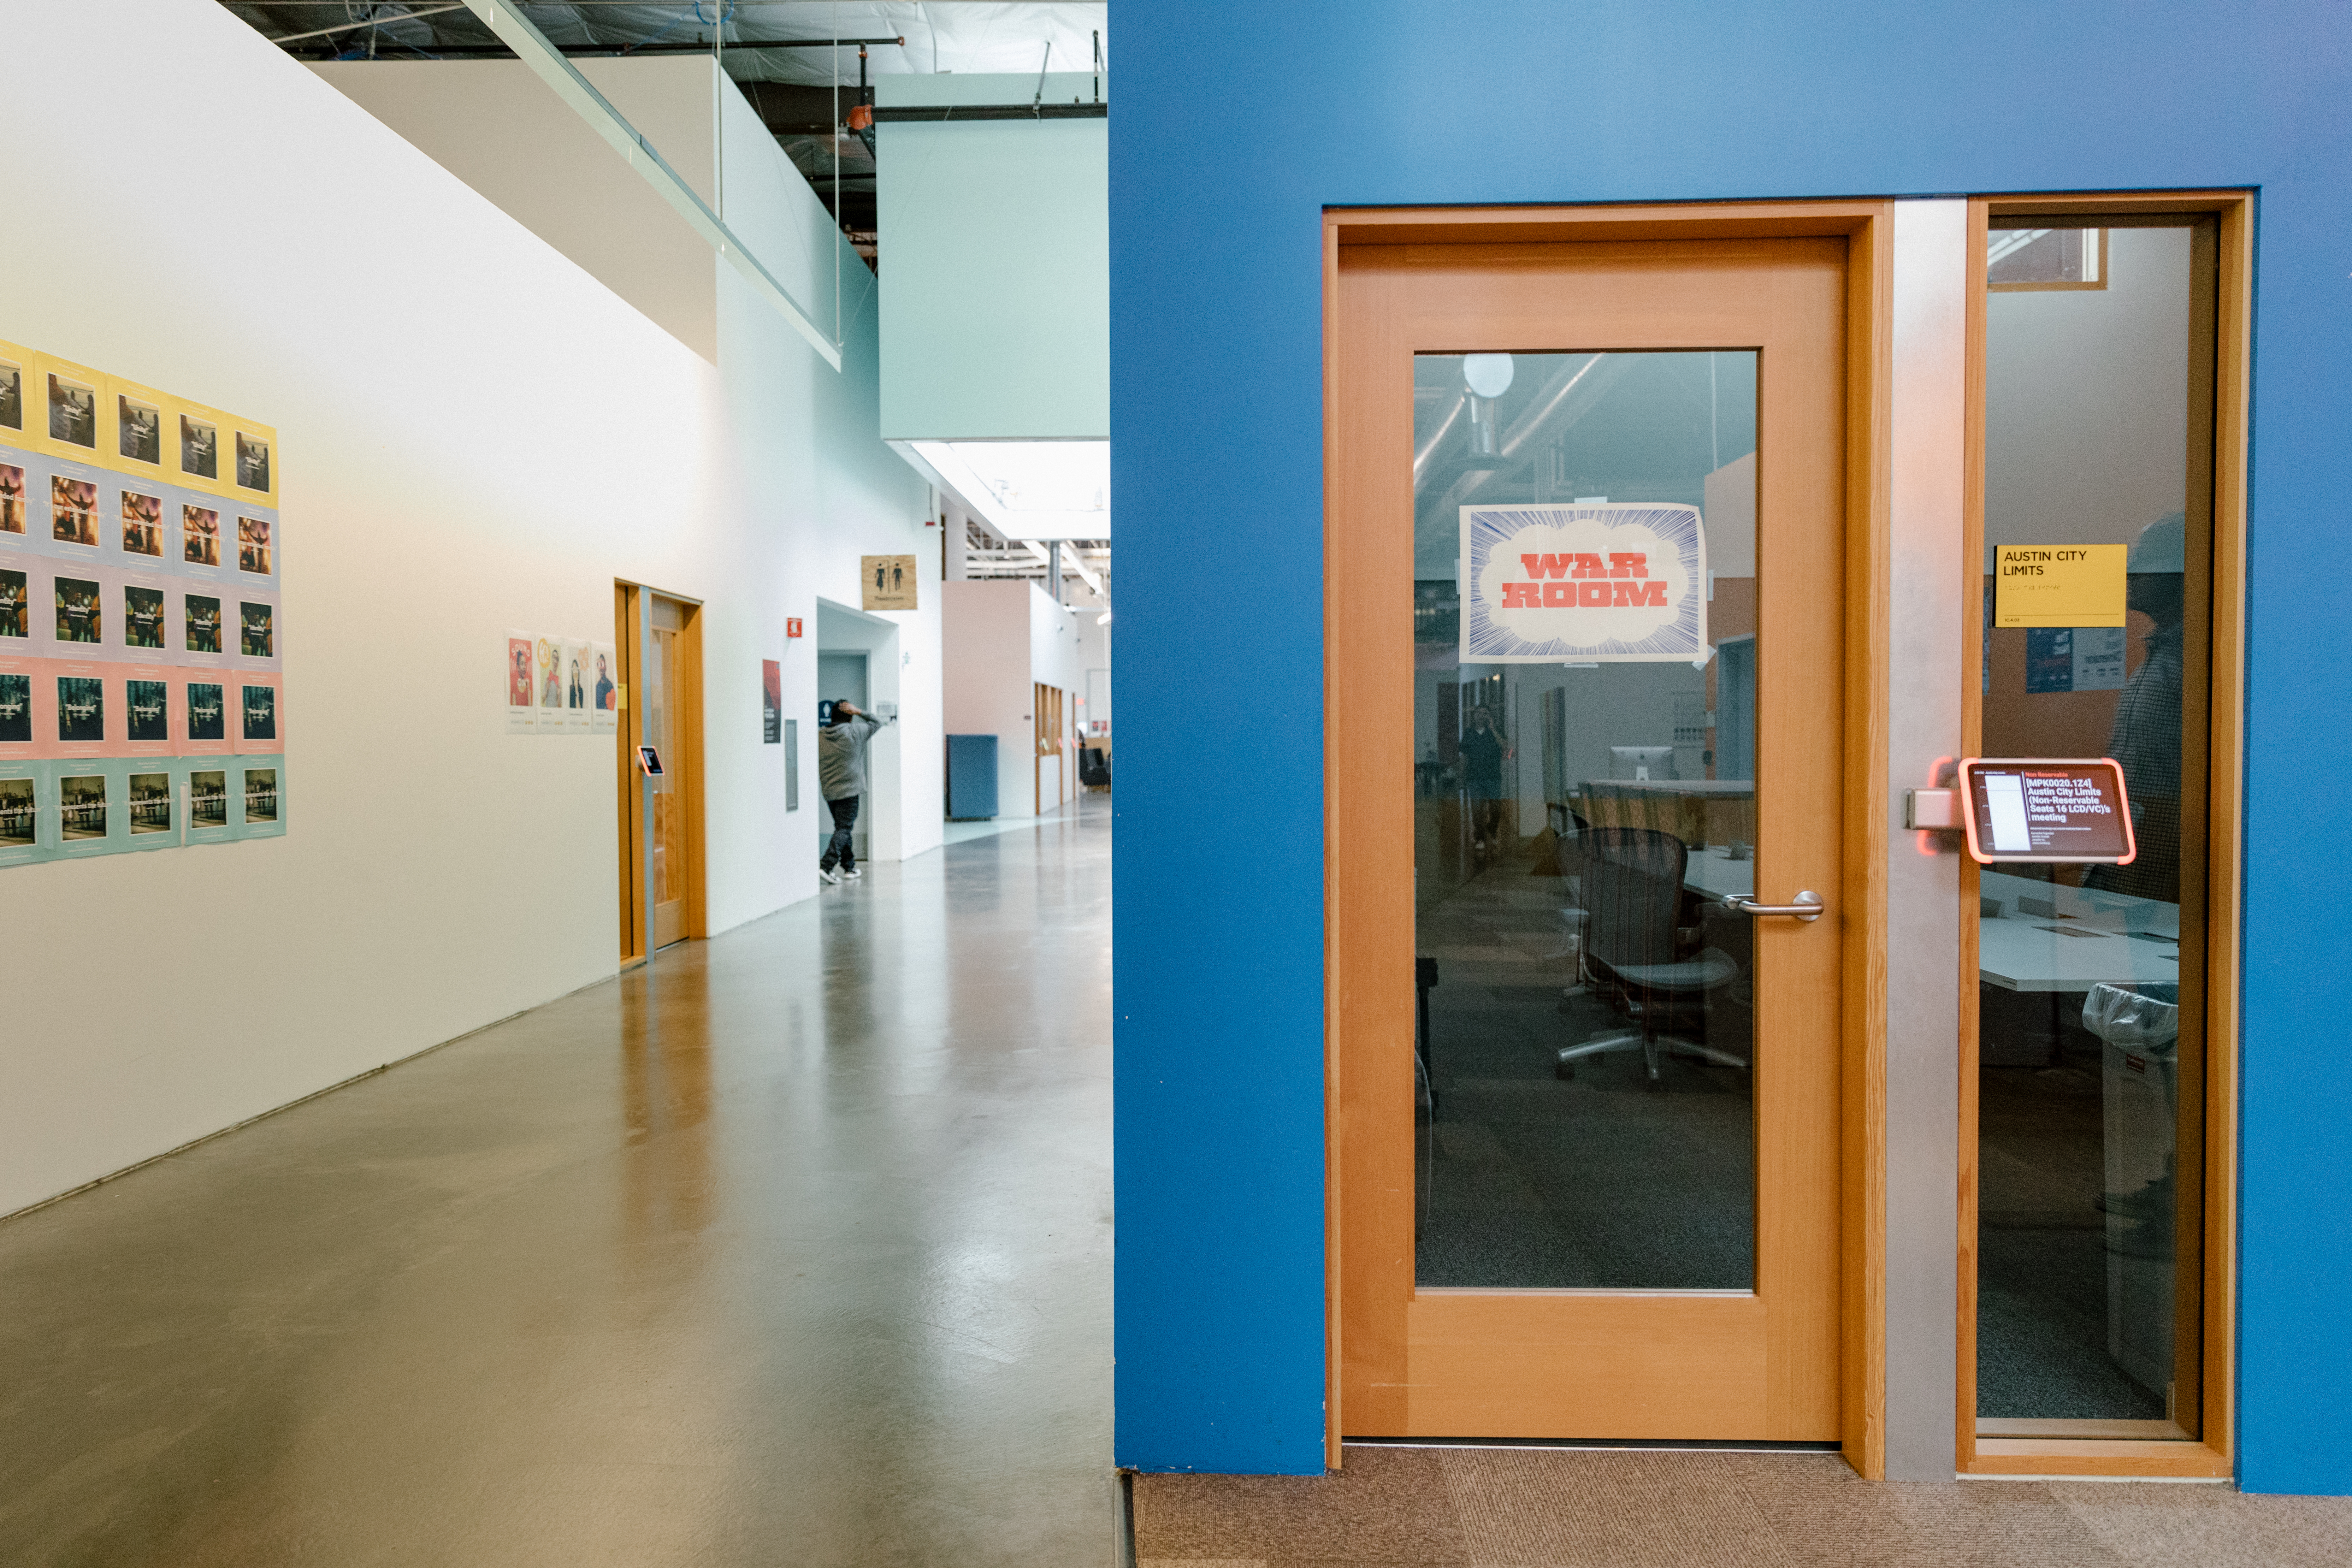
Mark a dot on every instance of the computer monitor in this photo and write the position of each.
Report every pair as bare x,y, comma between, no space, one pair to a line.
1640,761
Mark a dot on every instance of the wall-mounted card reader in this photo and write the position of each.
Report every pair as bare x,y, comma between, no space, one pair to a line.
1931,810
2070,811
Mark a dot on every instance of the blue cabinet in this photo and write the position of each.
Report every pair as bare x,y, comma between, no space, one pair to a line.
972,776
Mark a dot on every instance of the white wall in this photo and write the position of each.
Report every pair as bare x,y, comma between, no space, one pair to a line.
476,434
997,276
488,123
2086,399
988,635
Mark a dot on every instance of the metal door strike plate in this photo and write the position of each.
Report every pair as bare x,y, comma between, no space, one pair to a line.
1931,810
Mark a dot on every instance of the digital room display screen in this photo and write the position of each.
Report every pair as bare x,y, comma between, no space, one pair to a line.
2055,810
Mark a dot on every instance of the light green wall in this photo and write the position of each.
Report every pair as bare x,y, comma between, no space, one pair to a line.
995,238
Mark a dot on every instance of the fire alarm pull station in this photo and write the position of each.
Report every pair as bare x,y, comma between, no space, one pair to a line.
791,625
2066,811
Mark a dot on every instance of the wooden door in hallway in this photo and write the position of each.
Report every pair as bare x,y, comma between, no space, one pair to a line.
1046,715
662,849
1598,1195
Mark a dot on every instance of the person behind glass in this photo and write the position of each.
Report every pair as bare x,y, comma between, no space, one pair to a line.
841,776
2146,735
1484,752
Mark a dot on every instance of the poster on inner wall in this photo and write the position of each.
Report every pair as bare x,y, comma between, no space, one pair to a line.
20,812
15,537
15,362
151,815
16,609
203,788
141,630
579,660
204,718
142,527
771,702
258,804
547,671
2073,658
260,715
887,581
88,816
1606,583
74,421
200,541
604,690
19,683
140,446
522,683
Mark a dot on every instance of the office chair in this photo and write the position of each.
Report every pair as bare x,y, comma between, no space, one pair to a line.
1631,890
1567,854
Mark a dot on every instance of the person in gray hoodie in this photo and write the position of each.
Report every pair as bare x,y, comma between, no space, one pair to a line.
841,777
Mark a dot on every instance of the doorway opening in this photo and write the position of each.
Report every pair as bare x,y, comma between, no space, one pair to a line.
858,660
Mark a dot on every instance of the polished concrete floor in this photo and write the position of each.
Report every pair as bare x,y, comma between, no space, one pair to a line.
1532,1507
791,1248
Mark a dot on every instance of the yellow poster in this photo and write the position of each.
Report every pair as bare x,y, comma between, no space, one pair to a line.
68,417
17,387
250,464
140,445
2058,586
197,446
889,582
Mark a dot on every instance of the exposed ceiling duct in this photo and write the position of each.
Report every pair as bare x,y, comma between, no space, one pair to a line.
797,61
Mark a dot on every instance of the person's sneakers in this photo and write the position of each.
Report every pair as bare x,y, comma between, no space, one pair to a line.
852,874
827,874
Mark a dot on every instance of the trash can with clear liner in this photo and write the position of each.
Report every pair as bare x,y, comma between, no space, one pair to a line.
2138,1027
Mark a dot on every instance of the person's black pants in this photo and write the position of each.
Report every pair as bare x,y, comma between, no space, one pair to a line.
843,850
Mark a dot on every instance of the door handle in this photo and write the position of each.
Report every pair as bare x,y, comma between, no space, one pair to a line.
1808,906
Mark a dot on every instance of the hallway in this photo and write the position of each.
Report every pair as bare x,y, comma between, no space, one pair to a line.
793,1247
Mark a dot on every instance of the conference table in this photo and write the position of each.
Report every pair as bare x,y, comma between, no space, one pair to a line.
2033,936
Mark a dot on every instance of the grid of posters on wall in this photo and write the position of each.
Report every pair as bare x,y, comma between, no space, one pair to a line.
559,685
141,642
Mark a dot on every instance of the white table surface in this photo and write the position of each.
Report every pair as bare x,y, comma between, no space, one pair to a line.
2095,935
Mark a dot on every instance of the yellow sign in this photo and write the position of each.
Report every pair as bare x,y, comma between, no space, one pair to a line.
890,581
2058,586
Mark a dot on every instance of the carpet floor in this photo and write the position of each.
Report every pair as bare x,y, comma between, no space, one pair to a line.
1519,1508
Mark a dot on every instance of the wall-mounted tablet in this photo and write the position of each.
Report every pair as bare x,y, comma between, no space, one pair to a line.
650,761
2068,811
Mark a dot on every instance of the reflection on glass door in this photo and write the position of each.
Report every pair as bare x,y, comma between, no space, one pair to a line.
1588,1054
2090,1086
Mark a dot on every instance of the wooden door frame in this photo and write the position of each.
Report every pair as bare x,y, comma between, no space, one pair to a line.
626,631
1866,226
631,631
2211,1454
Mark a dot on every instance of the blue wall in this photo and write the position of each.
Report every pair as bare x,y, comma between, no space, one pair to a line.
1235,124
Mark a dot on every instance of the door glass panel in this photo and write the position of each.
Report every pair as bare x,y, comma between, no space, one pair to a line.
1586,1112
2098,431
668,870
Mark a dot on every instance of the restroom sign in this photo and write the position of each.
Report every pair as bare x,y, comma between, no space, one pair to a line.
1622,583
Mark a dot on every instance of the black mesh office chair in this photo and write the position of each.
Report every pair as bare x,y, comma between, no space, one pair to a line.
1630,883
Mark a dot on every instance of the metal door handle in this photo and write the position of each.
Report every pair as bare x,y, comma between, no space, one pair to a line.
1808,906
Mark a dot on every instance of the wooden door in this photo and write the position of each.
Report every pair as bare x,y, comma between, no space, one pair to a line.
1635,1345
671,722
1047,717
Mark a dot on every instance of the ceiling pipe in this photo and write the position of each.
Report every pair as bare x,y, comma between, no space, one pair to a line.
915,112
1429,448
575,52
